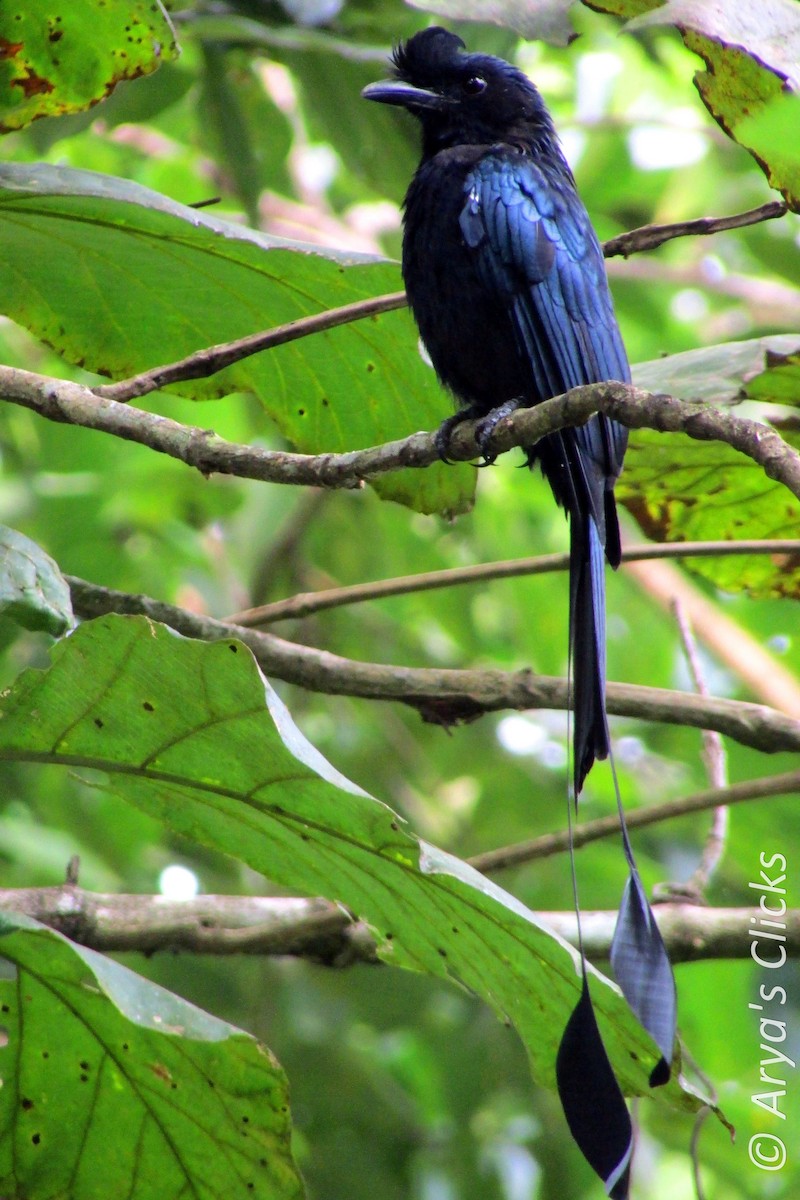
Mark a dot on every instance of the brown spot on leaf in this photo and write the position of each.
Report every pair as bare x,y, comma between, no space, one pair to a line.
33,85
160,1071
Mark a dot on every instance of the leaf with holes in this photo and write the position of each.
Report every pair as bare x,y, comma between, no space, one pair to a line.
63,58
193,734
113,1086
679,489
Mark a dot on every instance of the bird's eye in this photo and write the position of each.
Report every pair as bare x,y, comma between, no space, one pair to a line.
474,85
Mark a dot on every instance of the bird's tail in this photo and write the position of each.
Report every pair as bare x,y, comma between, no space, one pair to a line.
587,622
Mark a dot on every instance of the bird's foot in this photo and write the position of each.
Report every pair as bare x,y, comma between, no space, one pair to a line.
485,428
441,439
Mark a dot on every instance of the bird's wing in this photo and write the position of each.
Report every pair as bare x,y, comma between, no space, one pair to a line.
536,249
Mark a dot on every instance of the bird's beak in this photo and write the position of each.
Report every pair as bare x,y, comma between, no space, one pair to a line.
394,91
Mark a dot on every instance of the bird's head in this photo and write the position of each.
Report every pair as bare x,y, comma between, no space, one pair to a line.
460,98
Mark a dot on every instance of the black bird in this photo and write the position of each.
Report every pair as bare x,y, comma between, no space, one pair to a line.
506,280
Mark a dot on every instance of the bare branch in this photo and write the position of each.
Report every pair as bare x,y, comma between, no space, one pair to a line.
325,933
315,928
305,603
208,361
592,831
446,696
59,400
649,237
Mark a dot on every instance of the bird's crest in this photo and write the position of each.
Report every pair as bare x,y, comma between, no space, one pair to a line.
421,58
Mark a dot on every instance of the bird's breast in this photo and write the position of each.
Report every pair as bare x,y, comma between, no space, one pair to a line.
466,329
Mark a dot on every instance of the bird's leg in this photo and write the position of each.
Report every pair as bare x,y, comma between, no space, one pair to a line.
485,428
441,439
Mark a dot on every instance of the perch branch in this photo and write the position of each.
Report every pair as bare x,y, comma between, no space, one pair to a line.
71,403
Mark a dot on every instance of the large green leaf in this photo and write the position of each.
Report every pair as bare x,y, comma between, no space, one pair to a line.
194,735
680,489
113,1086
751,52
118,278
764,369
57,59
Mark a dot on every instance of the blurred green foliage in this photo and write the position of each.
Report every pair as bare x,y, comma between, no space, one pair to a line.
403,1085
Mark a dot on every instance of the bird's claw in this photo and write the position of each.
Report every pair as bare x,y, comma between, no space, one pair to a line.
483,435
441,439
485,429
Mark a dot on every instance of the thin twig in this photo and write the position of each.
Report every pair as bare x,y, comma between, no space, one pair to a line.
715,763
703,1113
648,237
694,1150
306,603
208,361
591,831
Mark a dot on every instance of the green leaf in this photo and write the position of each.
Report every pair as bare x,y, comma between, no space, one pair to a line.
193,734
33,592
57,59
759,368
751,53
770,136
113,1086
679,489
138,280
